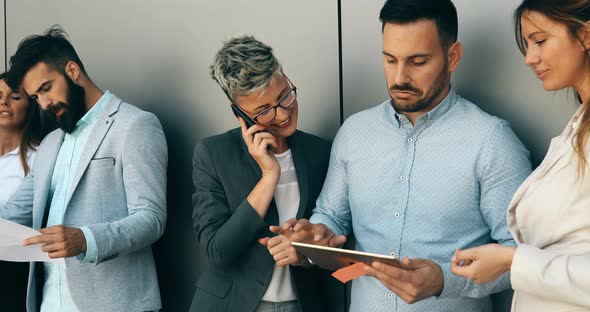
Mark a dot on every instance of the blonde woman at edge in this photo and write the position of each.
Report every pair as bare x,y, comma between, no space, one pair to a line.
19,136
549,215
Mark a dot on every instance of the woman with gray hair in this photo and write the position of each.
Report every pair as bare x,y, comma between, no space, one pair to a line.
249,178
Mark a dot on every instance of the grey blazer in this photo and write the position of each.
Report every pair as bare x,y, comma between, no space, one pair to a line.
119,193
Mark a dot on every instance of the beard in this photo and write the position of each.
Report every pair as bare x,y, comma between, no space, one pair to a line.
439,85
73,109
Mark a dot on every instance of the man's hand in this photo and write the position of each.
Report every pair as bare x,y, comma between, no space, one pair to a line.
304,231
60,241
417,279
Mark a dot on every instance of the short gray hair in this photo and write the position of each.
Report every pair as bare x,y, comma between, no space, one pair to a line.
244,65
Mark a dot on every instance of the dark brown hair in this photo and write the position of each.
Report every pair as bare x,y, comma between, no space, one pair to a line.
442,12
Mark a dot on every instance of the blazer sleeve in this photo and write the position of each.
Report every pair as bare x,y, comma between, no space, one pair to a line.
144,160
224,234
552,276
19,208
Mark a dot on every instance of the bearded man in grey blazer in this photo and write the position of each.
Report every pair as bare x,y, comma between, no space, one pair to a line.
97,190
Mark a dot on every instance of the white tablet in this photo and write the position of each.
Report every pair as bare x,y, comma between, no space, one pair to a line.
335,258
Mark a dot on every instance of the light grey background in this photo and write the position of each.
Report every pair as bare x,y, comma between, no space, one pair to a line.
2,56
155,54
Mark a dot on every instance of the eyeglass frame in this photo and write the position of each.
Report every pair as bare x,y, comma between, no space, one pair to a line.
279,102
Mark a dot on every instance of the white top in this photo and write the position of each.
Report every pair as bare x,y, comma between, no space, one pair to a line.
549,217
12,173
287,199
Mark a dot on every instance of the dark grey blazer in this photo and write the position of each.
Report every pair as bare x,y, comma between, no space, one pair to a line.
228,227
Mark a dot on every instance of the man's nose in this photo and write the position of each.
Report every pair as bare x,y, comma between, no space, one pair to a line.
401,75
44,101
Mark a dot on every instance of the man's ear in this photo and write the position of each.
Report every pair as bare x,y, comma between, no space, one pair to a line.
454,54
73,71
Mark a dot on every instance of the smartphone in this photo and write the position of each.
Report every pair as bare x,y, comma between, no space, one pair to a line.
249,122
239,113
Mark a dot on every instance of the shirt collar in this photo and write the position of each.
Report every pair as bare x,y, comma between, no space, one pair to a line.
92,115
432,116
11,153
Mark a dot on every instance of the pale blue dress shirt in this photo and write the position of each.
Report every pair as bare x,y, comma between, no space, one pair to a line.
422,191
56,294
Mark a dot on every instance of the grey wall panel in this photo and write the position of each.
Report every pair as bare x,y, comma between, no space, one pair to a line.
362,69
155,54
492,73
2,37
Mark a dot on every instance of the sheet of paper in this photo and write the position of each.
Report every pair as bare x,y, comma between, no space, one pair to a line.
12,236
350,272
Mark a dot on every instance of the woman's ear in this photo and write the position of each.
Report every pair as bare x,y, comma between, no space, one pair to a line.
584,36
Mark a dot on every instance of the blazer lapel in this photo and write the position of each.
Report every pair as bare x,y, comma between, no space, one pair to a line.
553,156
44,173
302,171
559,147
99,131
516,198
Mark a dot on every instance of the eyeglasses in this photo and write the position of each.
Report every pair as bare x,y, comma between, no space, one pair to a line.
285,102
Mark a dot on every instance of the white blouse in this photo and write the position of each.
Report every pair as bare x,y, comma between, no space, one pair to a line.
12,173
287,199
549,217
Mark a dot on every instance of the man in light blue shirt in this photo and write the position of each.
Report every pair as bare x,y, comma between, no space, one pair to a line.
419,175
97,190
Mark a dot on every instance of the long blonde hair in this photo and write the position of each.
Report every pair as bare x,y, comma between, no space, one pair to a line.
575,14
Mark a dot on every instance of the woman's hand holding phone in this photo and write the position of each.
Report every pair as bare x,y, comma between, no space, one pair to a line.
257,141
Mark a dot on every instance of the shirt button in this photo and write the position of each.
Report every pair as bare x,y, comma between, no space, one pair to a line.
392,254
389,296
397,214
402,178
430,122
410,140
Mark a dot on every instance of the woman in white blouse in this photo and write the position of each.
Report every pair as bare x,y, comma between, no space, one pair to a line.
549,216
19,134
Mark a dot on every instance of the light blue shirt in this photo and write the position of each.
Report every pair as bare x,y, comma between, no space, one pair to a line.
422,191
56,294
